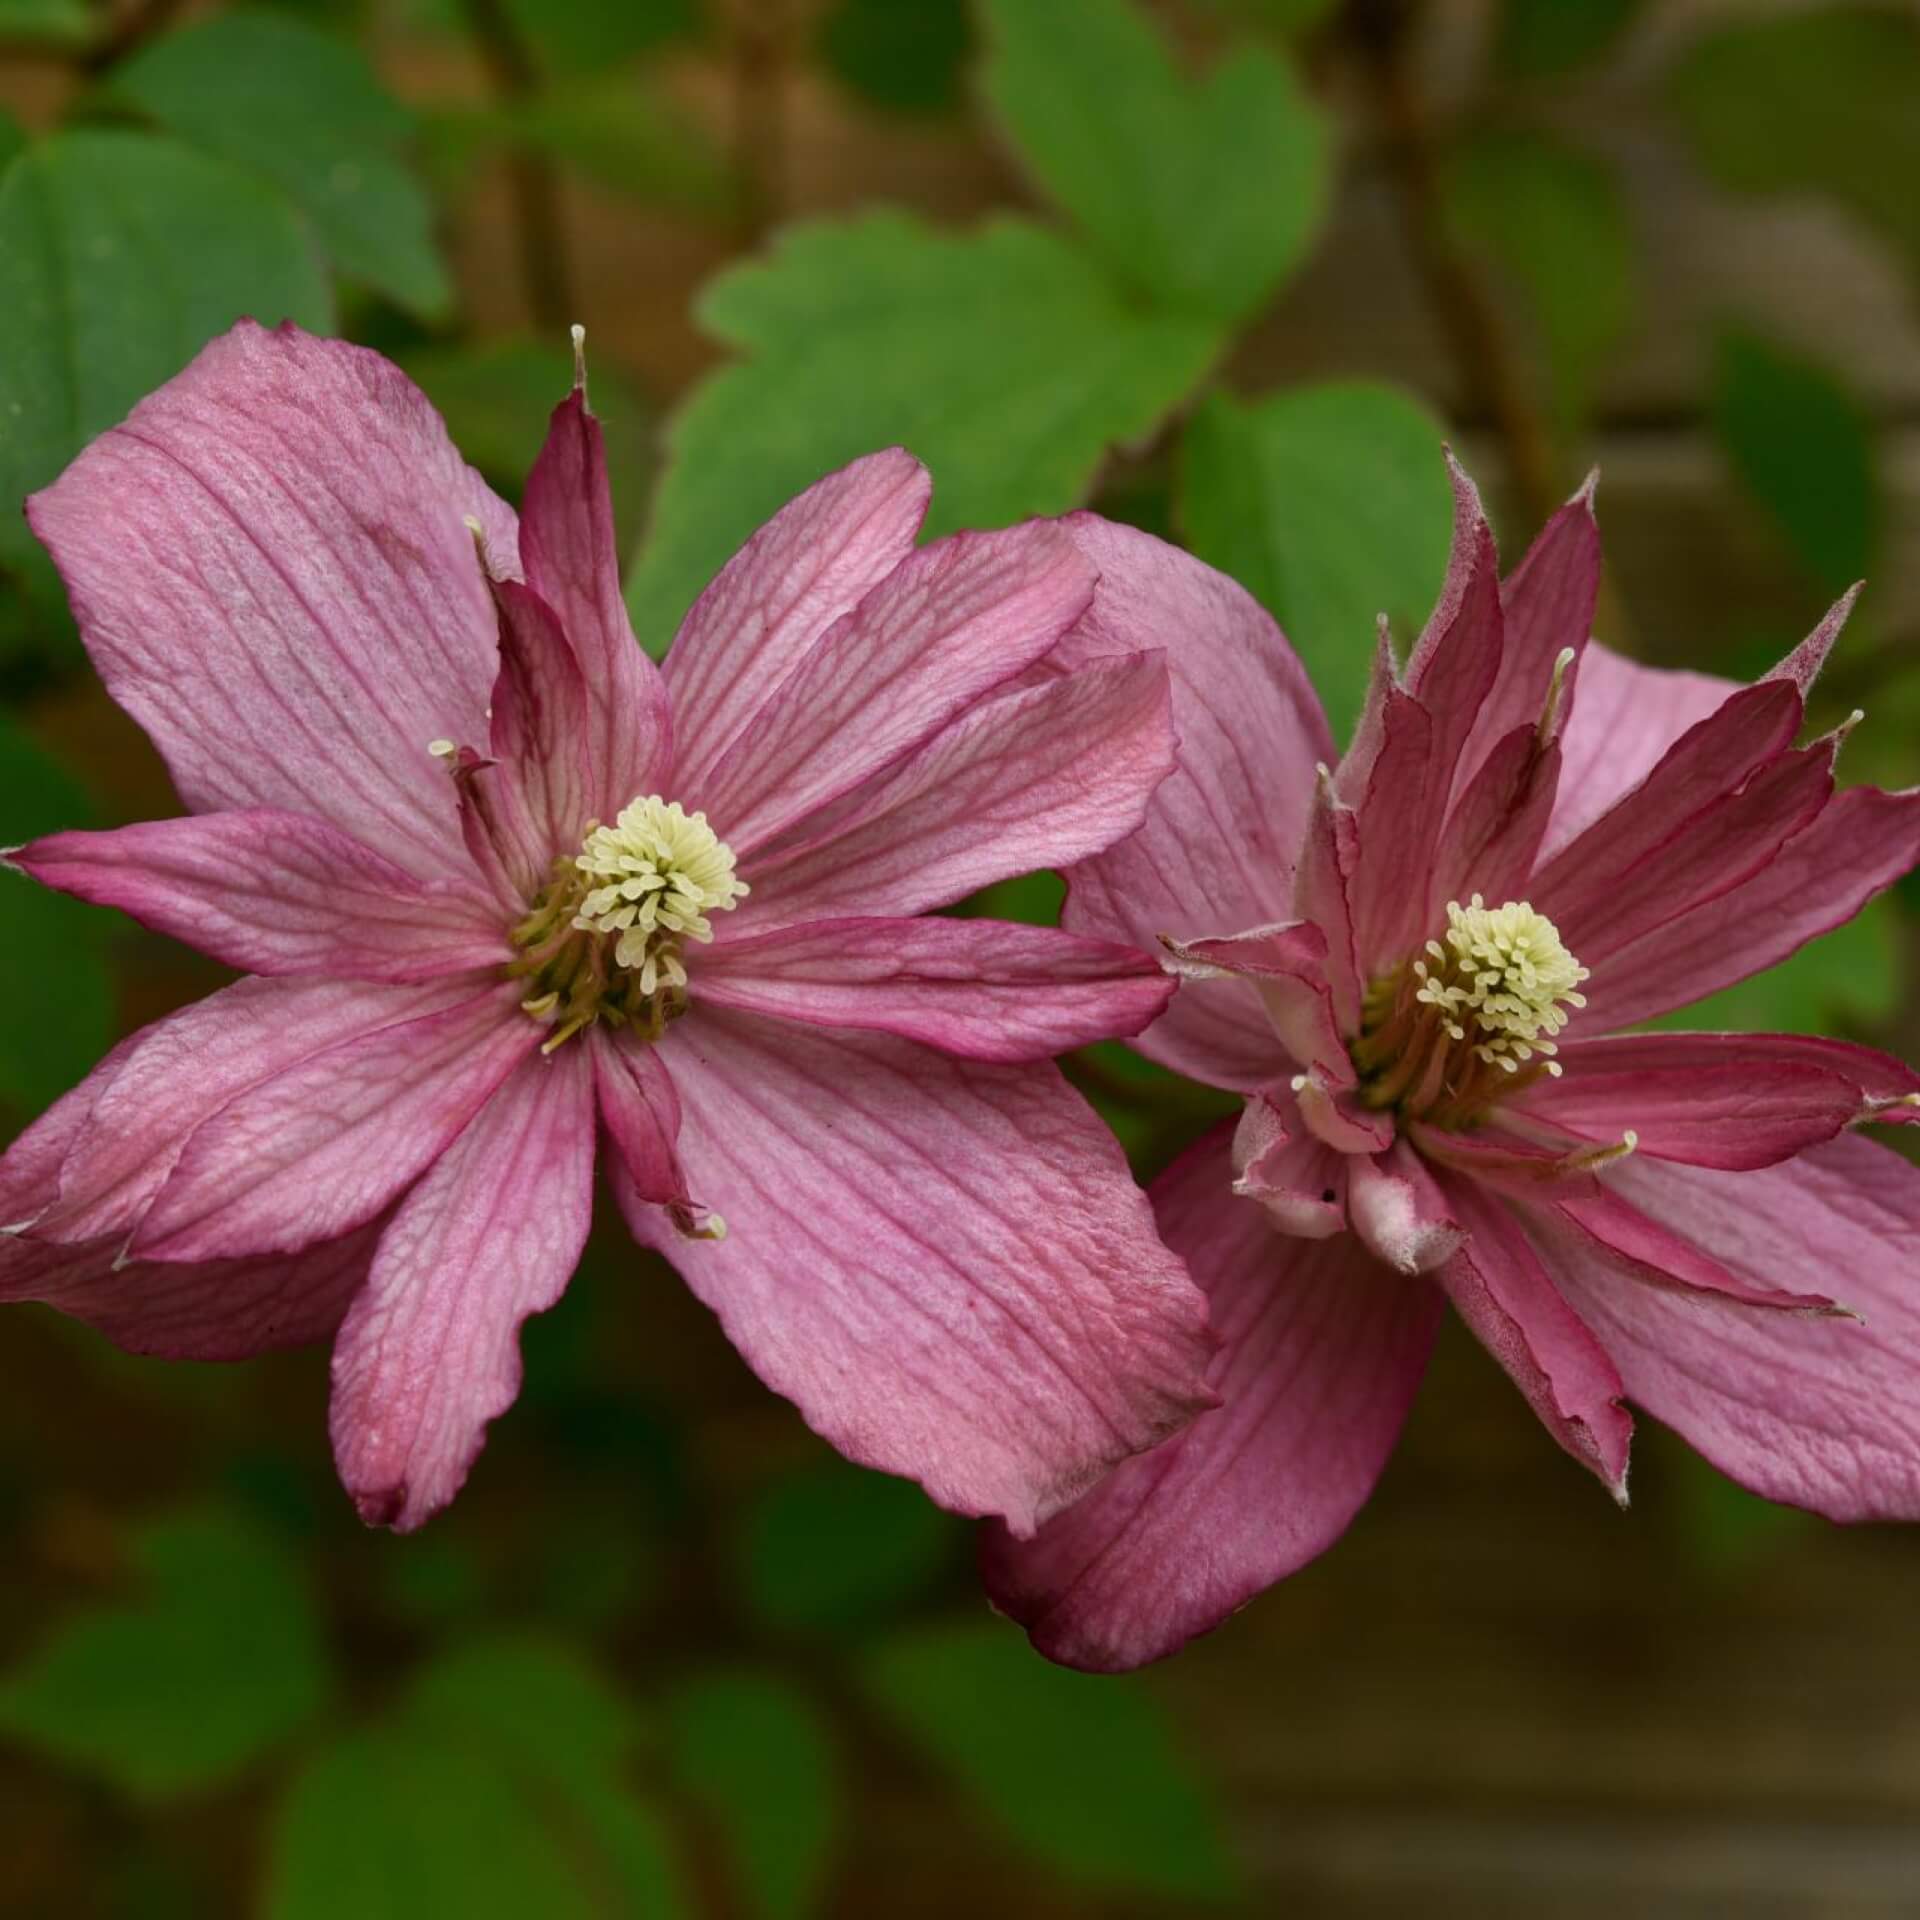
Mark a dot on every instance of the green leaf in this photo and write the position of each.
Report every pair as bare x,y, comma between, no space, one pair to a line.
907,58
56,23
1803,448
589,36
1554,221
1203,194
830,1549
54,984
499,1790
1279,16
121,255
303,110
1330,504
498,398
752,1751
214,1664
1540,37
1081,1771
1001,357
1847,979
13,139
1820,101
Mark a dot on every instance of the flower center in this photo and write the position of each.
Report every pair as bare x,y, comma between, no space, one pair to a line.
1447,1034
603,939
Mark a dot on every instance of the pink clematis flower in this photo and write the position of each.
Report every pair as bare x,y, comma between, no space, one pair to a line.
482,855
1416,971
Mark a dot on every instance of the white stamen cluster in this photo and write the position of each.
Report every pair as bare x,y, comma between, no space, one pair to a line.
1504,975
662,871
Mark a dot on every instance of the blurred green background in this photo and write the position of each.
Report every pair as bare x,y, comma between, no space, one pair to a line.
1227,268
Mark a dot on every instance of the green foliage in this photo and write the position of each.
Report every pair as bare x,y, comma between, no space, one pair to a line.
53,972
498,398
1540,37
1330,504
1203,195
1554,221
499,1789
907,58
1848,979
589,36
830,1549
121,255
1802,447
756,1757
618,133
1280,16
216,1661
1080,1771
302,109
1819,101
1003,358
13,139
54,23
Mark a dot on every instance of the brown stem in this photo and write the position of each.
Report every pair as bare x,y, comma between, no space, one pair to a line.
1465,309
761,52
546,271
134,29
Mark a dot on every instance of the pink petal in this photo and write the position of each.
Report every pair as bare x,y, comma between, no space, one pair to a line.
1503,1293
1401,1215
1034,779
269,567
1287,967
1222,832
1456,663
1822,1413
948,625
640,1109
143,1104
325,1144
1321,1353
1624,719
1493,832
430,1349
1293,1173
212,1310
944,1263
541,732
276,893
1858,846
572,561
982,989
1323,893
1547,607
1397,820
1733,1100
812,563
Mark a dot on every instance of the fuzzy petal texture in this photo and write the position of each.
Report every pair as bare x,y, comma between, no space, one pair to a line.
949,624
324,1145
430,1351
1321,1354
944,1263
1509,1301
1820,1413
812,563
1217,849
270,568
1732,1100
981,989
1036,778
276,893
571,558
